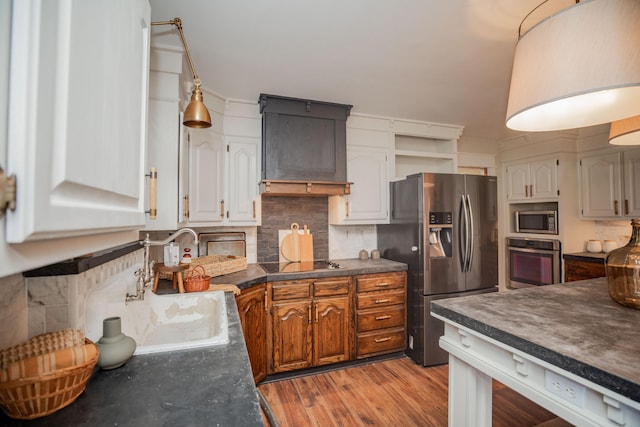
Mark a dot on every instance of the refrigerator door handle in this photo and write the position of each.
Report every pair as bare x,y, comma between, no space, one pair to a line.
463,239
470,236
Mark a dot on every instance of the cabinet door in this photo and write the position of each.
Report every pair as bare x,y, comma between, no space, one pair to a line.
631,203
292,336
601,185
206,177
543,179
331,331
368,201
518,181
77,117
243,180
253,317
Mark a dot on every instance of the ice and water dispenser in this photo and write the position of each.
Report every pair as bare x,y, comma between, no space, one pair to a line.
440,234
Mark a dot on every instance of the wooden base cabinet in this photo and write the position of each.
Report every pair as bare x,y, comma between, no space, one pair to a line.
381,318
311,323
252,308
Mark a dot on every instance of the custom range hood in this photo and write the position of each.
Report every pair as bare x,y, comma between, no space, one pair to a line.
304,149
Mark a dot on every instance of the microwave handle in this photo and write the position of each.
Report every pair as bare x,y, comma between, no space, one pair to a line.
517,221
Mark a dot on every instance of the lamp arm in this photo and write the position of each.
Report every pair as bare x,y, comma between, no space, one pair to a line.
178,23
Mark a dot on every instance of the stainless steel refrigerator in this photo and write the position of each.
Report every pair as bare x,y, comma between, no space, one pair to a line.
445,228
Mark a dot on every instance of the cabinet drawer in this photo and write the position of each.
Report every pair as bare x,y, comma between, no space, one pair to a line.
380,282
373,343
389,317
294,289
380,299
331,287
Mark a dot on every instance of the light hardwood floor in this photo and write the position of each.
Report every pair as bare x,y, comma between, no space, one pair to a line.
394,392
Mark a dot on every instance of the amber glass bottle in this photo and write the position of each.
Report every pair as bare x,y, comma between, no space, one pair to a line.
623,270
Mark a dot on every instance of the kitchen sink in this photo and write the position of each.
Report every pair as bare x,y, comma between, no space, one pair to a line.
160,323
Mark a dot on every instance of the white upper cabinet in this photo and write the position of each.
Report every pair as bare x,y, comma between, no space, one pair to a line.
243,178
224,166
533,180
77,117
610,184
206,176
368,152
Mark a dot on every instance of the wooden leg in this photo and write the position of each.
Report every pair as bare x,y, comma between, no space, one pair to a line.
155,281
175,279
180,284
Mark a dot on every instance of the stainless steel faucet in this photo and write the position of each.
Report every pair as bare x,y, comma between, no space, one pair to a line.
145,274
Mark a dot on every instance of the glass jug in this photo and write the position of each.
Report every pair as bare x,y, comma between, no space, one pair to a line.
623,270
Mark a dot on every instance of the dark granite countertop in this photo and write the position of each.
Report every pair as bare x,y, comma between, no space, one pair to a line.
201,387
597,257
255,274
575,326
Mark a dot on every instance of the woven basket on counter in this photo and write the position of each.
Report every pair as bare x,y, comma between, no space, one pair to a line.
196,280
46,373
215,265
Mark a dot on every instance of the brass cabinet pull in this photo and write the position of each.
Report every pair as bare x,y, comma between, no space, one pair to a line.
266,305
185,214
385,317
526,191
383,284
309,314
382,301
379,340
221,208
626,206
153,193
346,209
531,190
254,209
615,207
316,313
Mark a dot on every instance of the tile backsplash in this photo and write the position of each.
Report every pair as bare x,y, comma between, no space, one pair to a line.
36,305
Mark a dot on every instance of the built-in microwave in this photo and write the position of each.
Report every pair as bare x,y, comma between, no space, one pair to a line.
542,222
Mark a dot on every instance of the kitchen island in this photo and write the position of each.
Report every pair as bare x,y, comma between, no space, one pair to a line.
570,348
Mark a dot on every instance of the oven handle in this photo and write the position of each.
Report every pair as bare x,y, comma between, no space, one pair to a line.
534,251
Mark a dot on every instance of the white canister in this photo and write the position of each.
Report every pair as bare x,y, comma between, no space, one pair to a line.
594,246
609,245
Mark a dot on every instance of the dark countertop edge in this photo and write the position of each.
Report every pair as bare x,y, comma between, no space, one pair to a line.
84,263
597,258
605,379
100,388
254,274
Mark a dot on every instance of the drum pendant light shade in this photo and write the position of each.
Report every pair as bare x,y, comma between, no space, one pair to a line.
625,132
579,67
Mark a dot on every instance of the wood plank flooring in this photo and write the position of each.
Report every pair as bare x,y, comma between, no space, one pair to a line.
394,392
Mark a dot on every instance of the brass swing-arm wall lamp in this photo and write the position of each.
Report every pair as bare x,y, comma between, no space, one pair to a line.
196,114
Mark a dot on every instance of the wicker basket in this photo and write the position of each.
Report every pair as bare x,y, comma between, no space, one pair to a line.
38,395
196,280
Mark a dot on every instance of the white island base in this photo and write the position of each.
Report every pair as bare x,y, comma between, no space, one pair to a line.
571,350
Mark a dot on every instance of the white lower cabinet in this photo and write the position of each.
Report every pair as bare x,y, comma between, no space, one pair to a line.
610,184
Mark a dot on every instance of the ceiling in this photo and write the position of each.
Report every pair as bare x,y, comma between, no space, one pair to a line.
443,61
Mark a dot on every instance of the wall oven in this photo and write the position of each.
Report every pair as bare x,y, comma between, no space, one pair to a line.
533,262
